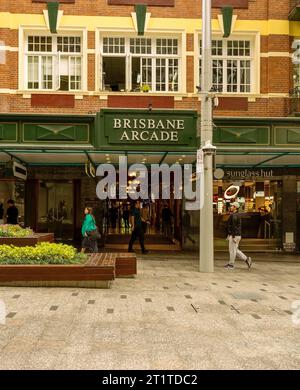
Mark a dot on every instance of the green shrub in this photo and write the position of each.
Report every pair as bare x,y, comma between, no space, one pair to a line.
43,253
14,231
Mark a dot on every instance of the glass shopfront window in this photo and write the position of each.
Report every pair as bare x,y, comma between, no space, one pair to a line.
260,202
55,209
12,189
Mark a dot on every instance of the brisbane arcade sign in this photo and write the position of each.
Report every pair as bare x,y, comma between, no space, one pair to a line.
155,128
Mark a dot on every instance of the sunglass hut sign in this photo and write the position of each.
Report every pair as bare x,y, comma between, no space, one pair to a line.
150,129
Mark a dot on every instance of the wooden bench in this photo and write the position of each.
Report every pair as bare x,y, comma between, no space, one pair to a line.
125,263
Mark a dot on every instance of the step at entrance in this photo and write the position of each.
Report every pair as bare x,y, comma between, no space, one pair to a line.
153,242
250,245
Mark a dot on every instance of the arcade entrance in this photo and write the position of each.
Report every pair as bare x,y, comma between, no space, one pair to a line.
163,230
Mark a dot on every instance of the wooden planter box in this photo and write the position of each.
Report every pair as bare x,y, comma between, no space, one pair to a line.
95,273
28,241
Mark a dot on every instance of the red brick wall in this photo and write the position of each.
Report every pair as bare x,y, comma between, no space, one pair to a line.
277,9
276,72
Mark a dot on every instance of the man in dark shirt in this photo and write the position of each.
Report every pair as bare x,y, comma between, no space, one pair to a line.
234,231
166,216
12,213
137,228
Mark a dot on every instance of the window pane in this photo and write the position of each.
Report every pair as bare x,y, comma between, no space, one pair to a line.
47,76
167,46
218,75
75,73
147,72
113,45
161,74
140,46
69,44
173,74
38,44
232,76
33,72
238,48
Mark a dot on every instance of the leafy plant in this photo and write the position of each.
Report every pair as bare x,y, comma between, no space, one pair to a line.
15,231
145,88
42,253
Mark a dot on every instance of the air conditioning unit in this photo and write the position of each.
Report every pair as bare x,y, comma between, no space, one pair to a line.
15,169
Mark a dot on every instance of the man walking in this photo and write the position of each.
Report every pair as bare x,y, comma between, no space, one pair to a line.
137,228
234,230
12,213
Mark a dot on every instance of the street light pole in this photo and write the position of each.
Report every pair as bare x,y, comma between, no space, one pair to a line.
206,261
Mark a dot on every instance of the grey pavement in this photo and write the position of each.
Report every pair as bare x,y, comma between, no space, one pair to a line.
169,317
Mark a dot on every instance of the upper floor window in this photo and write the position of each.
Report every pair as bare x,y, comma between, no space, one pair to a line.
53,62
134,64
232,62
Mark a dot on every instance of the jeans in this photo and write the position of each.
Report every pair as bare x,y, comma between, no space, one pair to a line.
234,250
138,232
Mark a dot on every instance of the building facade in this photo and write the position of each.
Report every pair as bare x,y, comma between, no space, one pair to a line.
70,68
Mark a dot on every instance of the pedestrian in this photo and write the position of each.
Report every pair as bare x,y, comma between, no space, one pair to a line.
113,216
12,213
166,217
234,230
137,228
98,213
186,227
145,218
1,213
89,232
126,215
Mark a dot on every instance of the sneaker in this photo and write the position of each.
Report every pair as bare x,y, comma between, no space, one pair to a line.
249,262
229,266
145,252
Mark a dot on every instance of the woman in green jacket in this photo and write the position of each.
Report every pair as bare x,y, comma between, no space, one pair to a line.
88,226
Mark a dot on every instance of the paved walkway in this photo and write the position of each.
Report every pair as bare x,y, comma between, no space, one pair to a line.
169,317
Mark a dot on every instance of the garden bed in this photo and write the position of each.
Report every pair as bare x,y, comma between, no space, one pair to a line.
92,274
32,240
50,265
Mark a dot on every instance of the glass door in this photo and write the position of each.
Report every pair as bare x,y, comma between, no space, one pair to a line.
55,209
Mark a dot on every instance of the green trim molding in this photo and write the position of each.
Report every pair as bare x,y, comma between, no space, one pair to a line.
52,15
227,13
50,132
141,11
8,132
248,135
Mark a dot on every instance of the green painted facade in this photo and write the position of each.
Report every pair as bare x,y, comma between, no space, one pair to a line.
242,135
51,132
133,130
8,132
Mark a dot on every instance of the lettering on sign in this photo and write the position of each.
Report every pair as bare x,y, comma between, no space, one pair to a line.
149,130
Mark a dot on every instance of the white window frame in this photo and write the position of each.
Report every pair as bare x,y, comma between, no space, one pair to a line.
254,38
25,32
128,59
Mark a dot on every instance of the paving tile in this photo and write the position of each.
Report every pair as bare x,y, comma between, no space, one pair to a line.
11,315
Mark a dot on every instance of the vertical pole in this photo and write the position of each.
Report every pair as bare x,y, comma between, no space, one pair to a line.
206,261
